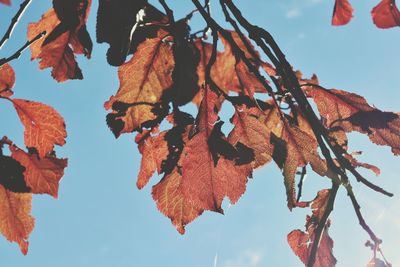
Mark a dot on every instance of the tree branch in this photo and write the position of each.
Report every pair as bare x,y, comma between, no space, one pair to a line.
14,22
18,53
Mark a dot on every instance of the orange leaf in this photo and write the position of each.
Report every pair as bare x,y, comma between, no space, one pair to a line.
293,148
301,242
143,79
172,202
342,12
154,150
64,40
351,112
386,14
44,127
7,80
41,175
205,180
252,132
6,2
16,223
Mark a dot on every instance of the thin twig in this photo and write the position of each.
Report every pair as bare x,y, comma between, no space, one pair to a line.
14,22
18,53
300,185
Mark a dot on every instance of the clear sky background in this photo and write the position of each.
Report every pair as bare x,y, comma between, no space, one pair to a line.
101,219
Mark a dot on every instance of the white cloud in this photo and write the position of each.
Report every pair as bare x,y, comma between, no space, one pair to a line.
293,12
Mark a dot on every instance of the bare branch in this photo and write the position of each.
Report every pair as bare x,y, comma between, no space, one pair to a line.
18,53
14,22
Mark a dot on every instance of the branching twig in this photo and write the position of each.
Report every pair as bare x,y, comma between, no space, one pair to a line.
18,53
14,22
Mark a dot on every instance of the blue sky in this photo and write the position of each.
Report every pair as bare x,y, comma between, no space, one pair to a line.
101,219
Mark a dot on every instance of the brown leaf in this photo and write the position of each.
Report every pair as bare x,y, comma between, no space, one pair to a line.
293,148
351,112
154,150
16,223
232,74
386,14
7,80
301,242
342,12
205,179
41,175
64,40
6,2
143,79
172,202
44,126
252,132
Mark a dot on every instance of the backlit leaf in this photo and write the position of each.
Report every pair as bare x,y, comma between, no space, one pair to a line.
44,126
42,175
16,223
386,14
7,80
342,13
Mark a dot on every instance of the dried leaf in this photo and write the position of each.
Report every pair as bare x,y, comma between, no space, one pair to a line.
301,242
12,175
7,80
41,175
65,39
44,126
342,13
143,80
172,202
351,112
16,223
386,14
154,150
6,2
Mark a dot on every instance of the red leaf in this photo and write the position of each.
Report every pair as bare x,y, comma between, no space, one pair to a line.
65,39
342,13
386,14
6,2
206,182
173,203
251,131
351,112
143,79
7,80
154,150
301,242
44,126
16,223
41,175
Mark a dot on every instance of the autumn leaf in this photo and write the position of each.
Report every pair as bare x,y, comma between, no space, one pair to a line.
6,2
342,12
252,132
7,80
173,203
16,223
207,174
143,80
231,73
293,148
42,175
301,242
67,36
154,150
351,112
386,14
44,126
